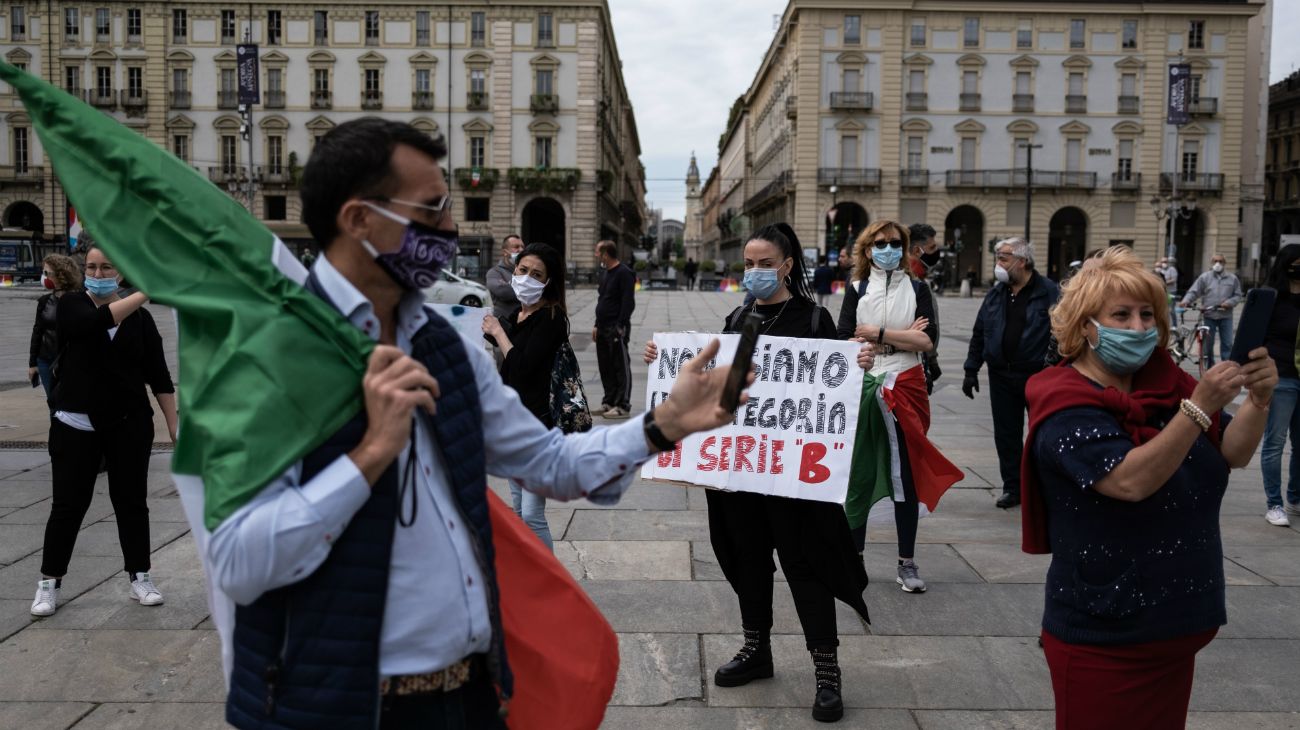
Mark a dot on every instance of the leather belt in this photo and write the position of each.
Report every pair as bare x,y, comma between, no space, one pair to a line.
444,680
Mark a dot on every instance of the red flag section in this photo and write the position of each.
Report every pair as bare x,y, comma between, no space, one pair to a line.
932,473
563,652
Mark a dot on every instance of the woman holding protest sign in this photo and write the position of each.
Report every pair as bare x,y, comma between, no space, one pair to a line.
811,538
892,457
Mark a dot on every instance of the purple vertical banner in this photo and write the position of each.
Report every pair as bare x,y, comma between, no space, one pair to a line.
246,68
1180,89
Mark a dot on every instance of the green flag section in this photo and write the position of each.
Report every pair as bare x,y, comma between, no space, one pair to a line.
869,478
268,370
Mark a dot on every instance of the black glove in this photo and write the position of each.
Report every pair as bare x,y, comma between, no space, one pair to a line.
971,385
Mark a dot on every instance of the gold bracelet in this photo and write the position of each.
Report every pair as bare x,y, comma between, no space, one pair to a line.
1194,412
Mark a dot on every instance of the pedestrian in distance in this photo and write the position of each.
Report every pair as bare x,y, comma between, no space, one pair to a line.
810,538
1218,292
926,253
823,278
1284,416
615,302
1125,469
893,460
61,276
1170,275
536,330
370,562
110,350
690,270
1012,336
499,277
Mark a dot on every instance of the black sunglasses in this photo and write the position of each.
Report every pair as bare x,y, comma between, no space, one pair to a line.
891,243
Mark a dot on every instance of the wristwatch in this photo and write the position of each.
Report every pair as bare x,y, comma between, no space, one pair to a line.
654,436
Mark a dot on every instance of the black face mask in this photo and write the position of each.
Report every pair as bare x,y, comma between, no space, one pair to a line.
1293,274
931,259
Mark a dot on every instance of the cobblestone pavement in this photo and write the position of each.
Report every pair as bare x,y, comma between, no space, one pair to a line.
962,655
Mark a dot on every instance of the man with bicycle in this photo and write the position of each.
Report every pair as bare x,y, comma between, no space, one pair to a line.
1219,291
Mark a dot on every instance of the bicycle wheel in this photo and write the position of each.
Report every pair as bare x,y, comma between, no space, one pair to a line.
1200,353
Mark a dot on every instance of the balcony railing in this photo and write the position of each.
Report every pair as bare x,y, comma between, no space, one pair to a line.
227,99
917,101
222,174
1126,181
1076,104
273,174
1206,182
372,99
849,176
180,100
476,178
771,191
25,174
322,99
545,103
273,99
78,92
914,178
1130,104
103,98
1018,178
1022,102
1206,106
321,39
421,99
135,100
970,102
852,100
477,101
791,107
1075,179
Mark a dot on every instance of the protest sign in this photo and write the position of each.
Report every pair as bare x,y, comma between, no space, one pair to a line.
792,438
468,321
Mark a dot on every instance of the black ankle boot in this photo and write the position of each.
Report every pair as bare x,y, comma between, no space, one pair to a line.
753,661
828,706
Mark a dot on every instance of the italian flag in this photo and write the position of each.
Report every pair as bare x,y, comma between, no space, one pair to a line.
269,371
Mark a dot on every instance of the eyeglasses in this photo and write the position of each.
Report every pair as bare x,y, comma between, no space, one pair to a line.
105,269
439,209
891,243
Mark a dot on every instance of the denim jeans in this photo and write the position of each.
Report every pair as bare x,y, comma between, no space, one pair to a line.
532,508
1222,328
1283,416
47,380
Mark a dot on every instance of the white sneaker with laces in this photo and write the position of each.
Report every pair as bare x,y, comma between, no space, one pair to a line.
143,590
47,598
1293,509
1276,516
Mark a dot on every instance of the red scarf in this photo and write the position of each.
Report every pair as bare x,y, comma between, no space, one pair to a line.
1158,388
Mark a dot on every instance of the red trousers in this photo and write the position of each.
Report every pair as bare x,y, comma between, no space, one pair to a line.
1139,686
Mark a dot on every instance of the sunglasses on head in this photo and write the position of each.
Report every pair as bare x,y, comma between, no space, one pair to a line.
891,243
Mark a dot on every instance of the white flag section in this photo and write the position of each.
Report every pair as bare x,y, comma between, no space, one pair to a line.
792,438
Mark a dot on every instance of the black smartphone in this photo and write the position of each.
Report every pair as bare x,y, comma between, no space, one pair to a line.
36,380
1254,324
742,362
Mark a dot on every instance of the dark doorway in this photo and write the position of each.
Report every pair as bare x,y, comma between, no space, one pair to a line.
1189,240
1067,241
844,223
26,216
963,233
543,222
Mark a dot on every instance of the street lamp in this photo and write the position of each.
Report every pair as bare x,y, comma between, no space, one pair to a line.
1029,148
830,218
1174,206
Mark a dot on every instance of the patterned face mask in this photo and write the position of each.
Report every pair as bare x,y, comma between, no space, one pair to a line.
424,253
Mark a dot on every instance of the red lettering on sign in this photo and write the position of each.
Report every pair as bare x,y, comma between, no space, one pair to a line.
708,462
744,445
671,458
724,454
811,470
777,467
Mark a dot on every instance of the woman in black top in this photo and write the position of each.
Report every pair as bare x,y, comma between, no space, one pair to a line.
110,350
536,329
811,538
1284,416
59,274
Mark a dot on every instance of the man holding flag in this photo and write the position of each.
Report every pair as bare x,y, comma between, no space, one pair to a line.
343,434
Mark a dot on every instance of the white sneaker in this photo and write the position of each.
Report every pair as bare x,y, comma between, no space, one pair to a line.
47,598
616,413
143,590
1276,516
1293,509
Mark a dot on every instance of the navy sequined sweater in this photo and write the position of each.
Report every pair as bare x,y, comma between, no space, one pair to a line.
1128,572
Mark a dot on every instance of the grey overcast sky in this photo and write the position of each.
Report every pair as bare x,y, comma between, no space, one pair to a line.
686,61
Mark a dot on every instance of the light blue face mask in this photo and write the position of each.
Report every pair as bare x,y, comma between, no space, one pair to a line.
762,283
101,288
887,258
1123,351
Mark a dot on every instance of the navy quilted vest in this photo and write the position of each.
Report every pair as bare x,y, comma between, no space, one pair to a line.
307,654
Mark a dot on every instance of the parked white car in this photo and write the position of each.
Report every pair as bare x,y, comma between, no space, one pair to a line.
452,289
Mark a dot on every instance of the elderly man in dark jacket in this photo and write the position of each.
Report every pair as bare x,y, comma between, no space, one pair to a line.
1011,336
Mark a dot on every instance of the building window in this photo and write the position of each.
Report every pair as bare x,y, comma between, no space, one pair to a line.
135,82
915,153
72,24
852,30
852,80
478,210
321,23
916,81
1073,154
1130,34
229,154
104,81
542,150
229,82
372,85
1025,34
478,151
478,29
1124,162
180,25
546,30
1078,28
422,28
275,207
1196,34
971,37
133,25
477,81
968,153
372,27
918,33
545,81
1020,153
18,23
1191,159
274,27
228,26
274,88
1194,89
103,26
849,152
321,79
181,146
21,156
1024,83
72,80
275,154
422,80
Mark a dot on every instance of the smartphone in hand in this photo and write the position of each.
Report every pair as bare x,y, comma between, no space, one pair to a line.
742,362
1254,324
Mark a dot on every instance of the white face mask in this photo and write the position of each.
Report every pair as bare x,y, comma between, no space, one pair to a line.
1001,274
528,289
1218,268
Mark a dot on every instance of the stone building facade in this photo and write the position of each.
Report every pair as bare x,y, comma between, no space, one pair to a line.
1282,162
